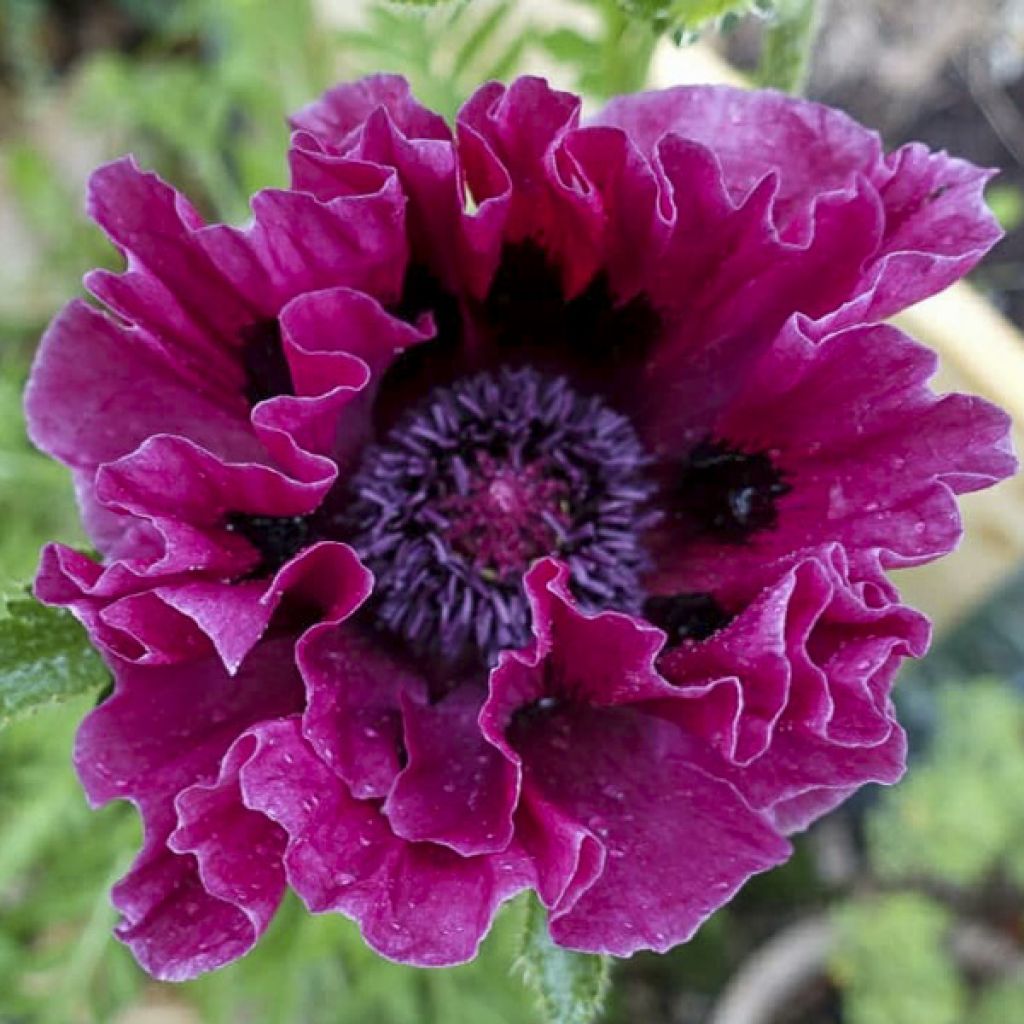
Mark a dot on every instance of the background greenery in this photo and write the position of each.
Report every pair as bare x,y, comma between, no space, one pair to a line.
198,89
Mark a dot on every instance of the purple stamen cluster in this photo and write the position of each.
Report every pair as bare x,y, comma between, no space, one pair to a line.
479,481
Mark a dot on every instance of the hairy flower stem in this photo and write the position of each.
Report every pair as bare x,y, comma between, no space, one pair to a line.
788,43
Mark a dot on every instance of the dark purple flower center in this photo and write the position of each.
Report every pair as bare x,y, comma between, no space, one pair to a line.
729,493
686,616
477,482
263,359
529,312
278,539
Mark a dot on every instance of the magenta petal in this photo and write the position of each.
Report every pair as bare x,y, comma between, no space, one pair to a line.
739,681
180,479
813,148
377,122
457,789
175,927
88,411
826,646
170,287
937,226
730,284
328,577
679,843
136,627
507,139
325,331
345,109
298,244
805,776
873,455
353,718
566,856
417,903
238,852
602,659
342,339
634,227
634,844
165,730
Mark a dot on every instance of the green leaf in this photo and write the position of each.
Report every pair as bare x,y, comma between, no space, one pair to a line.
570,987
45,658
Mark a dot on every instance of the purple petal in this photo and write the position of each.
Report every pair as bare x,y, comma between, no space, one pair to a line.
88,411
353,719
164,731
678,842
457,789
417,903
823,645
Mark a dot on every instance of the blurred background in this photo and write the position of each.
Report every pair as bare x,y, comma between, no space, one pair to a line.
907,907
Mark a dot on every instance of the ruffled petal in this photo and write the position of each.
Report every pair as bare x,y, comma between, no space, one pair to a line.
298,244
238,852
726,284
345,109
457,788
327,579
507,146
871,456
353,719
377,122
794,694
170,287
136,627
197,286
174,925
679,843
637,845
417,903
164,731
89,411
813,148
937,226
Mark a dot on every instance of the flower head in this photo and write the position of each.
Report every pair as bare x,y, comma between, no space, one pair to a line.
533,543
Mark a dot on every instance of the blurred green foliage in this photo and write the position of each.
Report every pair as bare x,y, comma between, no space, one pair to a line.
58,964
445,53
1001,1003
318,970
960,816
892,965
952,831
685,19
1007,203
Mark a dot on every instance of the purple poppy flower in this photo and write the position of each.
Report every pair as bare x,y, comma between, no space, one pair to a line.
536,541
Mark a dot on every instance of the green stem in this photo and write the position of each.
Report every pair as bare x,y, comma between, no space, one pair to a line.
628,49
788,43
